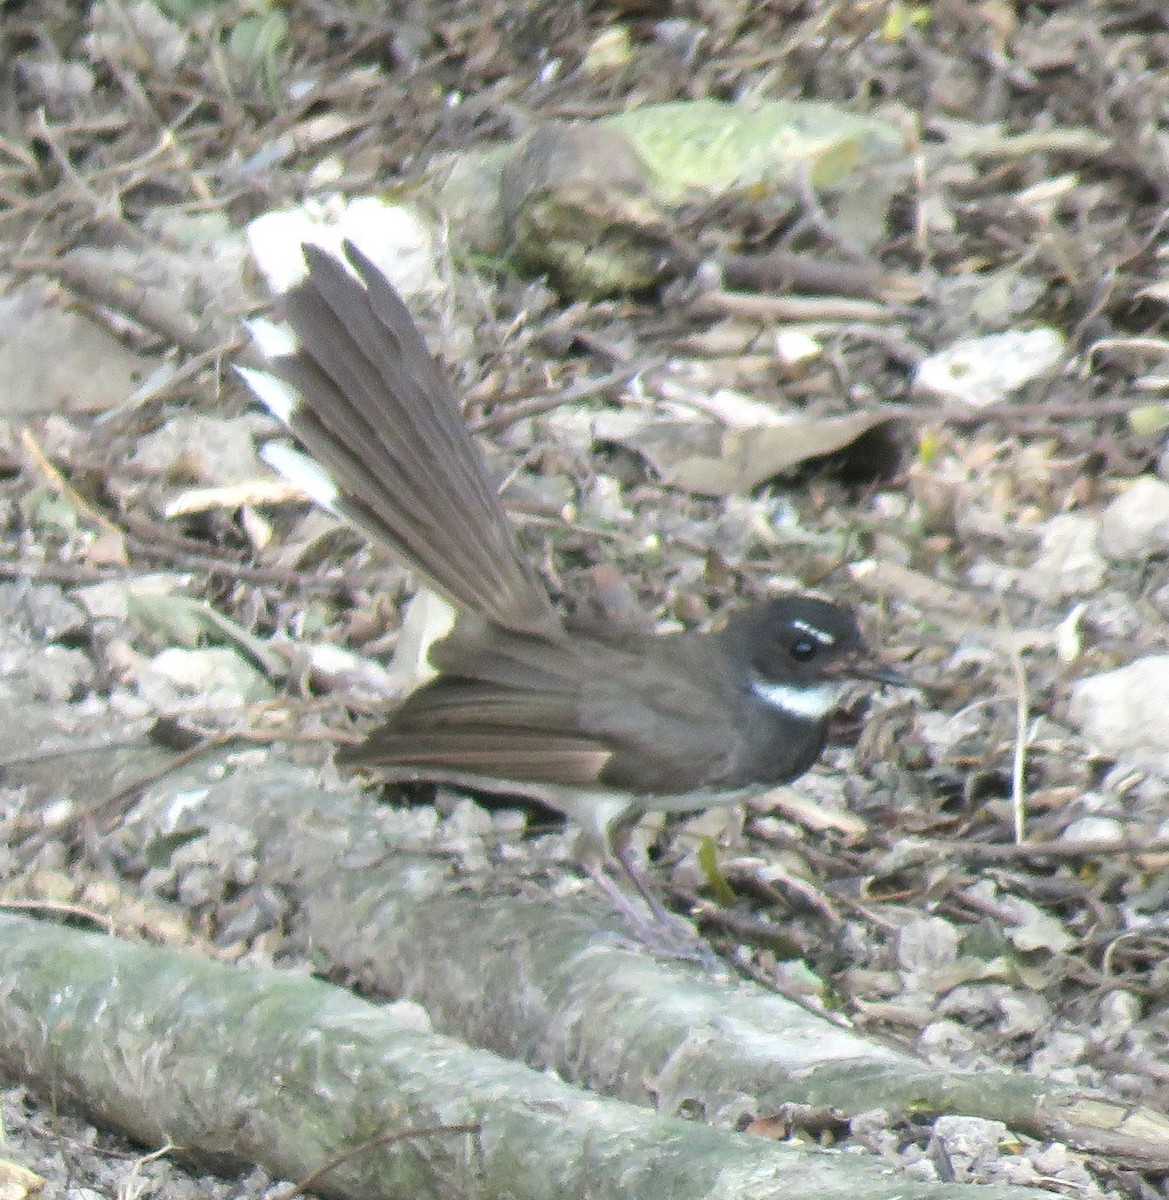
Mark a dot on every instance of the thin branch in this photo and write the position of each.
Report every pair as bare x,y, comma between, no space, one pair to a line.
384,1139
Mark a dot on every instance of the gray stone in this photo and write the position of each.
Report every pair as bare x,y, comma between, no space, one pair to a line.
1135,526
1069,561
1125,713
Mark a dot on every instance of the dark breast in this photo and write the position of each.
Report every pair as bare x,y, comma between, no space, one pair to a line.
777,746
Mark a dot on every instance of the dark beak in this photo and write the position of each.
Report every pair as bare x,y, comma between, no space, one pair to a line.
879,674
863,664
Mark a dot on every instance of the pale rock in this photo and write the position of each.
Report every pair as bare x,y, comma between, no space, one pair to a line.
1135,526
978,372
211,677
1069,561
1063,1051
1125,713
207,450
1120,1010
48,355
1094,829
968,1141
929,943
1022,1013
1112,614
336,669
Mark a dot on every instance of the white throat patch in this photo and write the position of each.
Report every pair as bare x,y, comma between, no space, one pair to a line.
811,702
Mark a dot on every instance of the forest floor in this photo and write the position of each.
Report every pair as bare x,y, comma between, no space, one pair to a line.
978,869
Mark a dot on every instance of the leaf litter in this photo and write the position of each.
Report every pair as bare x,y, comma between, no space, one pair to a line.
1014,557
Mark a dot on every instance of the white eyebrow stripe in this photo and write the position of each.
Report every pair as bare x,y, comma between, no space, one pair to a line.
819,635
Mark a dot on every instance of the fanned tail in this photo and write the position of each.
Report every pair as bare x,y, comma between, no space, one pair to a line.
374,410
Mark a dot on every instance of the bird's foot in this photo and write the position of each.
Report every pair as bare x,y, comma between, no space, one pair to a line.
659,930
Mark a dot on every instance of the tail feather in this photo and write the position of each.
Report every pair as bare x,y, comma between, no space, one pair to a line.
374,409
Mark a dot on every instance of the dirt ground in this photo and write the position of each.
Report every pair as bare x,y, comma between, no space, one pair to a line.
989,548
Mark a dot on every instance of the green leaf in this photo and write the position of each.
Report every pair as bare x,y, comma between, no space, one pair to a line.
181,10
1148,419
257,43
715,879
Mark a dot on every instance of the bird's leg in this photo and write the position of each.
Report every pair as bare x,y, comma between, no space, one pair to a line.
625,857
603,851
606,855
599,873
667,933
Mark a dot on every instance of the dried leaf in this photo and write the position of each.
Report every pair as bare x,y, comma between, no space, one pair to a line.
709,460
17,1182
186,622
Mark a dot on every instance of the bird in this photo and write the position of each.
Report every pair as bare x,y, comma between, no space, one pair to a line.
600,720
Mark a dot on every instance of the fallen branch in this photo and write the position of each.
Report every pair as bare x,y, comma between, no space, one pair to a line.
237,1066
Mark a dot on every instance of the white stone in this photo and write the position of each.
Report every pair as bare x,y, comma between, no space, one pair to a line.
928,943
1135,525
1069,562
394,236
978,372
1093,829
1125,713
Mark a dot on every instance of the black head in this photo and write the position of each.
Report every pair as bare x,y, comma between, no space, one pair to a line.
799,652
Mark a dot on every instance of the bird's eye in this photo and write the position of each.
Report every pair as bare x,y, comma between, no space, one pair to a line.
803,649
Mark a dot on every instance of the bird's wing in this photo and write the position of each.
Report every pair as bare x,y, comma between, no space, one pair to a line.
568,713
